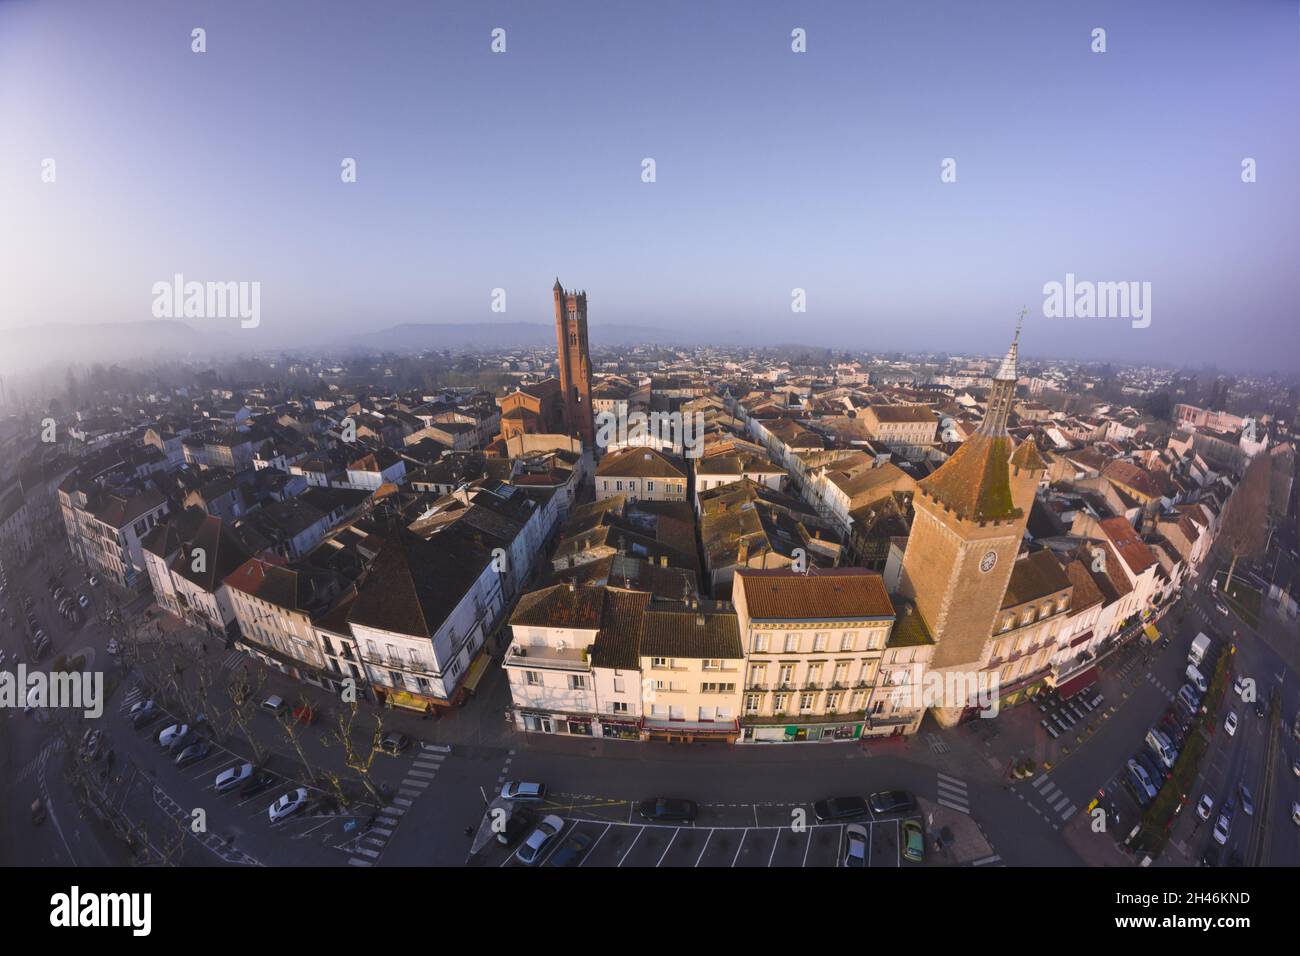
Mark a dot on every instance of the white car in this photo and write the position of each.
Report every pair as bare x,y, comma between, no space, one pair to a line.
1295,814
1221,828
112,646
274,705
289,804
1239,687
532,850
1295,768
1205,807
172,734
232,778
855,853
83,600
139,705
94,581
1230,723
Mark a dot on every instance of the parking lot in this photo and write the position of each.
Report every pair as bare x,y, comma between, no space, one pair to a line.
730,835
174,792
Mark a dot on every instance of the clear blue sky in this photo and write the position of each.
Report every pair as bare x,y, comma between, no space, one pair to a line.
775,170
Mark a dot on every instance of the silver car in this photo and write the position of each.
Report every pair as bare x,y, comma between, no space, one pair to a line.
534,848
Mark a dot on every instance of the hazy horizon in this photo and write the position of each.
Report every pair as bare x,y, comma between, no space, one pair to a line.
775,170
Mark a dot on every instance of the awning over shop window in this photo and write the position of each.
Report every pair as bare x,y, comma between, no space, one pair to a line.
1077,684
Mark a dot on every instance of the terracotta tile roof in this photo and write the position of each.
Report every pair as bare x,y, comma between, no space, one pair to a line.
618,645
820,595
640,463
561,606
690,633
1033,577
1126,542
1086,593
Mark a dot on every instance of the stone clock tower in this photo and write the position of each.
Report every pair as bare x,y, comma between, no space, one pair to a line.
970,517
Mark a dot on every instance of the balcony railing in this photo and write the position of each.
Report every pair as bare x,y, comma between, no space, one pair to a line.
539,657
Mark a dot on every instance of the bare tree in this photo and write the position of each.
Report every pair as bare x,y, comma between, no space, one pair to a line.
1244,531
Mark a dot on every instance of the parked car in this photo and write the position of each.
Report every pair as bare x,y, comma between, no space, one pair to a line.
94,581
112,646
287,805
394,744
146,715
1223,825
913,841
274,705
534,848
571,851
193,753
229,779
855,845
1152,766
83,601
839,809
668,810
523,792
1205,807
171,734
259,781
1142,781
305,715
1230,723
891,801
519,822
1247,804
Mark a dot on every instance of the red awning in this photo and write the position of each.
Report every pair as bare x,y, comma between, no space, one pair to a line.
1077,683
1085,636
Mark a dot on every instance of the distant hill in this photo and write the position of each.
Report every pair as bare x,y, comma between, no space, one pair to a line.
418,336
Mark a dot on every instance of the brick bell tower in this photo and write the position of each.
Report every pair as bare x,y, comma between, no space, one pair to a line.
575,363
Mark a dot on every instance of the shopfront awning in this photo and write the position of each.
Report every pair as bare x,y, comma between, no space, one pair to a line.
1077,684
476,671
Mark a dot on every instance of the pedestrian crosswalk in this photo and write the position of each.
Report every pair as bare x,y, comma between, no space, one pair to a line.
233,660
952,794
421,773
1059,805
993,860
1169,694
39,761
936,743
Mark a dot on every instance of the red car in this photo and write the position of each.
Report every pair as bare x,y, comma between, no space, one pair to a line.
304,715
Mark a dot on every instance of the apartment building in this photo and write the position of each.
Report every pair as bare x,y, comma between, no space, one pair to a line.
814,644
574,662
909,430
693,666
641,474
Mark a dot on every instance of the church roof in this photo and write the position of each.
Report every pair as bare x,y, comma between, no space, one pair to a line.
976,481
1027,456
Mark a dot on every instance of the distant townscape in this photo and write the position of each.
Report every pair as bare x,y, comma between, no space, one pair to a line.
648,544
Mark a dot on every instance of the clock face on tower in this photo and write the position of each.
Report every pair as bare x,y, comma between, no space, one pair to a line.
986,563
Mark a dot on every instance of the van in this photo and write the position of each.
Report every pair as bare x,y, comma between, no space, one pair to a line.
1198,681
